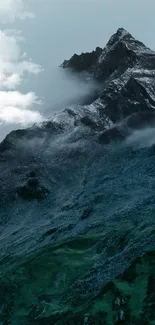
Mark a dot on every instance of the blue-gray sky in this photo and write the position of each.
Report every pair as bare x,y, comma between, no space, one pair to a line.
63,27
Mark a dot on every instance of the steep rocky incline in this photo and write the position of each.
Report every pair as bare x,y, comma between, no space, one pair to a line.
77,213
125,71
83,62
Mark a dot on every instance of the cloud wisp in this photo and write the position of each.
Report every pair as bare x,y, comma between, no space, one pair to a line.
15,107
144,138
10,10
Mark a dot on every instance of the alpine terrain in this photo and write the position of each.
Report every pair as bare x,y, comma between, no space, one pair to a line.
77,200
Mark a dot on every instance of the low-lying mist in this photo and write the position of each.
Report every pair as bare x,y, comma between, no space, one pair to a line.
143,138
61,90
66,88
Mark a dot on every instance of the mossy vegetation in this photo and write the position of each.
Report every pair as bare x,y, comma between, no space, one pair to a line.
40,290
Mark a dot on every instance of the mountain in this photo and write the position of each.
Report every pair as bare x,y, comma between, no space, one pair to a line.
125,70
77,200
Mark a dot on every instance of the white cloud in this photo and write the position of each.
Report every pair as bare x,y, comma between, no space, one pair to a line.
10,82
15,107
16,98
15,115
10,10
12,65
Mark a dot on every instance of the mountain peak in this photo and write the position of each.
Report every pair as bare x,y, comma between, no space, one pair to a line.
119,35
123,32
122,50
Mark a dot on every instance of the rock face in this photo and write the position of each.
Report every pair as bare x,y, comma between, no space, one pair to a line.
77,201
126,71
32,190
83,62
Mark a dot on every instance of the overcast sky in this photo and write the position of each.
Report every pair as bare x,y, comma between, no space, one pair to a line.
63,27
53,30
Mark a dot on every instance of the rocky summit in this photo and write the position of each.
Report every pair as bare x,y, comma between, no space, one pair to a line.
77,200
